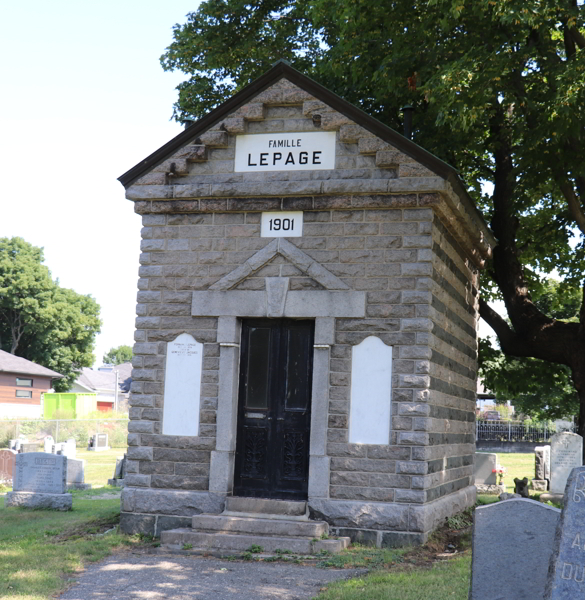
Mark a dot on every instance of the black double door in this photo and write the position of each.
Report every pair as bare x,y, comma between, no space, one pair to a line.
274,409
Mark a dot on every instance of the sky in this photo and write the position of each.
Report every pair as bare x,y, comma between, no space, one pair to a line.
83,98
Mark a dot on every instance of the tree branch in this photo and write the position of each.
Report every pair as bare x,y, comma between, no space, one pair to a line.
575,207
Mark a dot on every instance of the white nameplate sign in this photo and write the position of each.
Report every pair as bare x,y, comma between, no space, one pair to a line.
282,224
285,151
182,386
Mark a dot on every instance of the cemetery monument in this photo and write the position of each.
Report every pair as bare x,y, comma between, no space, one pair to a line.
40,481
566,453
306,322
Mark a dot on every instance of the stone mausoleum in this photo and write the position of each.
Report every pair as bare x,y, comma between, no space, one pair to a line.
306,321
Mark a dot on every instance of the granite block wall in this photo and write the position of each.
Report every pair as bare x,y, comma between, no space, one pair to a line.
381,222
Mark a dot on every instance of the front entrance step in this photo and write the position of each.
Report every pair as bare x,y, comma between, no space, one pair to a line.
227,541
266,506
260,525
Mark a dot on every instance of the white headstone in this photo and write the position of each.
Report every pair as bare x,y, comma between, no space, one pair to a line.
48,442
371,392
75,470
566,453
485,465
182,393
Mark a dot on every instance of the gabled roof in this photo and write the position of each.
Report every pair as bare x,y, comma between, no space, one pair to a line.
280,70
9,363
106,380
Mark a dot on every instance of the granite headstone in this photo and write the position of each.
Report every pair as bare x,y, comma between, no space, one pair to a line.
485,465
542,462
39,472
512,546
7,461
39,482
566,576
75,470
566,453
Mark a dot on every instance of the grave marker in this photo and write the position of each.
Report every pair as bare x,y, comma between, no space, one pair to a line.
566,453
512,545
566,577
40,481
7,460
485,464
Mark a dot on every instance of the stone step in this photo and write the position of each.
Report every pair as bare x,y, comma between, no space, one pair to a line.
265,505
177,538
260,525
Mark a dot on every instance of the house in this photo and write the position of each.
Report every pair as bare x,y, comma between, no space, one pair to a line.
103,383
22,386
306,322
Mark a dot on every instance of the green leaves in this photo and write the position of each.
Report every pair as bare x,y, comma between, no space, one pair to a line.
117,356
40,321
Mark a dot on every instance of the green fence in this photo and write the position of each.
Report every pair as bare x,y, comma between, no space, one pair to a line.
63,429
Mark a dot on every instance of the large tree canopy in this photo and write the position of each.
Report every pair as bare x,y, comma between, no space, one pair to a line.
40,321
117,356
499,92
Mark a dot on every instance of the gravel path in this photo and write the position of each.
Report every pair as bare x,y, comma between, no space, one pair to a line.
158,577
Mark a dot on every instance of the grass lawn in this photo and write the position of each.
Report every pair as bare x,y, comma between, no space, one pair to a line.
448,580
41,550
99,466
517,465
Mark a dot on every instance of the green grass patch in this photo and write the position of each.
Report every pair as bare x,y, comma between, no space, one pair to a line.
99,466
41,550
358,556
517,465
447,580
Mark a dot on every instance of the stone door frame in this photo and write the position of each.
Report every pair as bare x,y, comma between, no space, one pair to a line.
315,305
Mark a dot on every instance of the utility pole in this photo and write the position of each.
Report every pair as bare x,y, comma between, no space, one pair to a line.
116,392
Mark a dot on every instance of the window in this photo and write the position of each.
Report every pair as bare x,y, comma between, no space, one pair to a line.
24,382
23,394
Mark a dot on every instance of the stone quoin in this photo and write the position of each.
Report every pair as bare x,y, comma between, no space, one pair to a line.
383,273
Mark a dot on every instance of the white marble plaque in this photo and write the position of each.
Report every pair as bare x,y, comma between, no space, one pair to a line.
40,472
371,392
300,151
182,396
566,453
281,224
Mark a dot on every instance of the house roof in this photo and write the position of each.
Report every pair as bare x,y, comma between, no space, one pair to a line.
106,380
280,70
9,363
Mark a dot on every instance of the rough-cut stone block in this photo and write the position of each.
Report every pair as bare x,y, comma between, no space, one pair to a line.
171,502
361,515
38,500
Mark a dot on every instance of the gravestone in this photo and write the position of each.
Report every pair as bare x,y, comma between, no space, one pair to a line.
485,465
76,475
98,442
182,391
566,453
566,576
48,444
25,448
40,481
541,468
7,460
119,472
67,448
512,546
